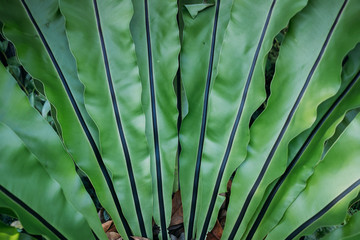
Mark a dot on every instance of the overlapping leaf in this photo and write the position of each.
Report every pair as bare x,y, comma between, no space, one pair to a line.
325,206
37,31
113,98
155,32
11,233
307,73
237,92
61,204
308,149
222,66
204,27
349,231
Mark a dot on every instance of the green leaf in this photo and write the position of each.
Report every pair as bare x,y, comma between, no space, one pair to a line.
149,97
113,99
349,231
325,205
194,9
202,40
340,128
38,32
307,73
46,109
154,30
32,99
10,233
29,132
307,149
238,90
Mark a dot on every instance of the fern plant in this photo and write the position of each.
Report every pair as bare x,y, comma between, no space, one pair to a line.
151,97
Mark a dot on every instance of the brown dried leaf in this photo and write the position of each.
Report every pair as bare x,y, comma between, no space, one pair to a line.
222,217
177,210
228,186
216,233
109,226
140,238
113,236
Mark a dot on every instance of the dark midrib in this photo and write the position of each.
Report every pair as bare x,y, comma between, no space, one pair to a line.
81,120
178,88
178,94
297,157
323,211
203,124
32,212
119,124
236,124
96,237
284,128
155,127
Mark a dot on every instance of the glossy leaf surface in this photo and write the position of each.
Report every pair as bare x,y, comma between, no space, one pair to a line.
296,94
126,81
350,231
113,98
157,45
328,205
204,27
50,170
37,46
134,120
309,149
237,91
